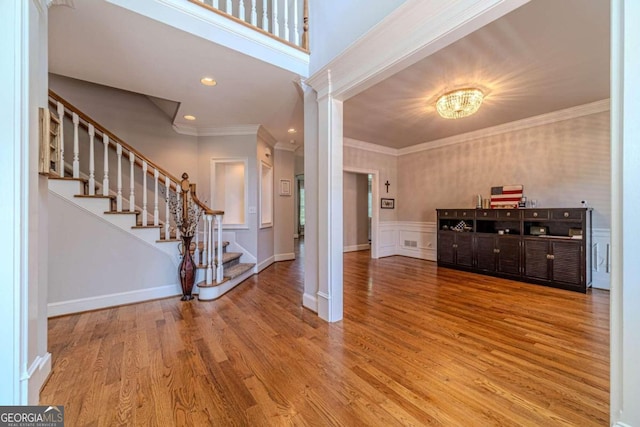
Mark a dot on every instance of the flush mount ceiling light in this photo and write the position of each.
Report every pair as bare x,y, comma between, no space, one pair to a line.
189,117
208,81
459,103
291,130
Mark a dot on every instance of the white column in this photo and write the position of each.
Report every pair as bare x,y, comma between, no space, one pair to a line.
206,243
625,203
144,194
105,179
254,14
61,117
119,178
76,147
156,212
209,258
92,165
310,296
132,182
167,214
219,267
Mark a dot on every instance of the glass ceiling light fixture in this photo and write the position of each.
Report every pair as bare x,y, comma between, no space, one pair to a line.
459,103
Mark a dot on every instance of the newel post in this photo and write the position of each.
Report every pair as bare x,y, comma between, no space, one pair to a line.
184,186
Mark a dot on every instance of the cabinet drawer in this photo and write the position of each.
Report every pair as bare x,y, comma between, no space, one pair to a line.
508,214
576,214
466,213
447,213
486,213
536,214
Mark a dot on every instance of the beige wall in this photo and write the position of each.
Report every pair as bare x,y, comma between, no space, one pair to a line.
559,164
387,167
284,208
355,208
134,119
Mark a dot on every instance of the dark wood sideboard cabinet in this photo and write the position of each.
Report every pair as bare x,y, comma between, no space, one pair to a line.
549,247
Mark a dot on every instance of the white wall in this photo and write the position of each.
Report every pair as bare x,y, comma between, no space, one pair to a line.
137,271
335,24
24,360
265,235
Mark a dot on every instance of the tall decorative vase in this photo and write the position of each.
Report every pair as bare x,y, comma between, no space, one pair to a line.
187,269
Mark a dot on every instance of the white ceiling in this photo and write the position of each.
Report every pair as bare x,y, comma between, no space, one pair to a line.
546,56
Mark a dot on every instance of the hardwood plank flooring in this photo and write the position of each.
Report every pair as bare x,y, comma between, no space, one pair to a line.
419,345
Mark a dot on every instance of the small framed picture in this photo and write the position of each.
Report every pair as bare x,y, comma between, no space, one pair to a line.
387,203
285,187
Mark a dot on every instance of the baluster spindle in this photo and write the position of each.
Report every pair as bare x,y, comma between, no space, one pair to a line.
206,243
254,13
132,182
229,7
274,16
209,273
296,34
286,20
219,269
156,212
167,217
196,252
144,193
119,180
76,147
178,200
92,166
61,117
242,12
305,25
265,17
216,4
105,179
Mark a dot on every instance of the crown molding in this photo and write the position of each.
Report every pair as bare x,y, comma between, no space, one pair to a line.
529,122
264,134
368,146
217,130
413,31
285,147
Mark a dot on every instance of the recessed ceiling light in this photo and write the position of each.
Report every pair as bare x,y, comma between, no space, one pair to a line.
208,81
292,130
189,117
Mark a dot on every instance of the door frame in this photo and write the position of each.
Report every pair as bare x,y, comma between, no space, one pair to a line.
375,209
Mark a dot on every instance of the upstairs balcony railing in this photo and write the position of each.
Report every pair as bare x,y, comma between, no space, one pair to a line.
285,20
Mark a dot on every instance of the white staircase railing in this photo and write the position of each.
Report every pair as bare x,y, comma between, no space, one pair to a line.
84,131
286,20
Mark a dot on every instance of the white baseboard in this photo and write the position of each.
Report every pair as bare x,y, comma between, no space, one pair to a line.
310,301
111,300
354,248
284,257
37,375
264,264
215,292
408,238
425,254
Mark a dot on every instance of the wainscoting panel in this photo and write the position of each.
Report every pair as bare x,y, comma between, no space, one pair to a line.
408,238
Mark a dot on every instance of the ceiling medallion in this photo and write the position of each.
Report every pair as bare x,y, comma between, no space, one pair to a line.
459,103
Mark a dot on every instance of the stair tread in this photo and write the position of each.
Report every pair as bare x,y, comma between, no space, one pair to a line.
237,270
226,257
203,284
97,196
136,212
146,226
168,240
69,178
224,244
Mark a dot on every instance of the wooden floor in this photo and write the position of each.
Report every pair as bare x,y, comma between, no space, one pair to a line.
419,345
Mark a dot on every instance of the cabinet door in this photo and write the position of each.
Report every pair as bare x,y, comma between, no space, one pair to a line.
446,251
464,249
485,252
508,255
567,262
536,264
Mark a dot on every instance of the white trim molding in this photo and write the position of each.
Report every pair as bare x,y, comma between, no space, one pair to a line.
217,130
408,238
368,146
111,300
284,257
264,264
601,258
355,248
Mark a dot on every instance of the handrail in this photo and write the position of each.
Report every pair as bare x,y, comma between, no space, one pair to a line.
185,185
305,32
114,138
